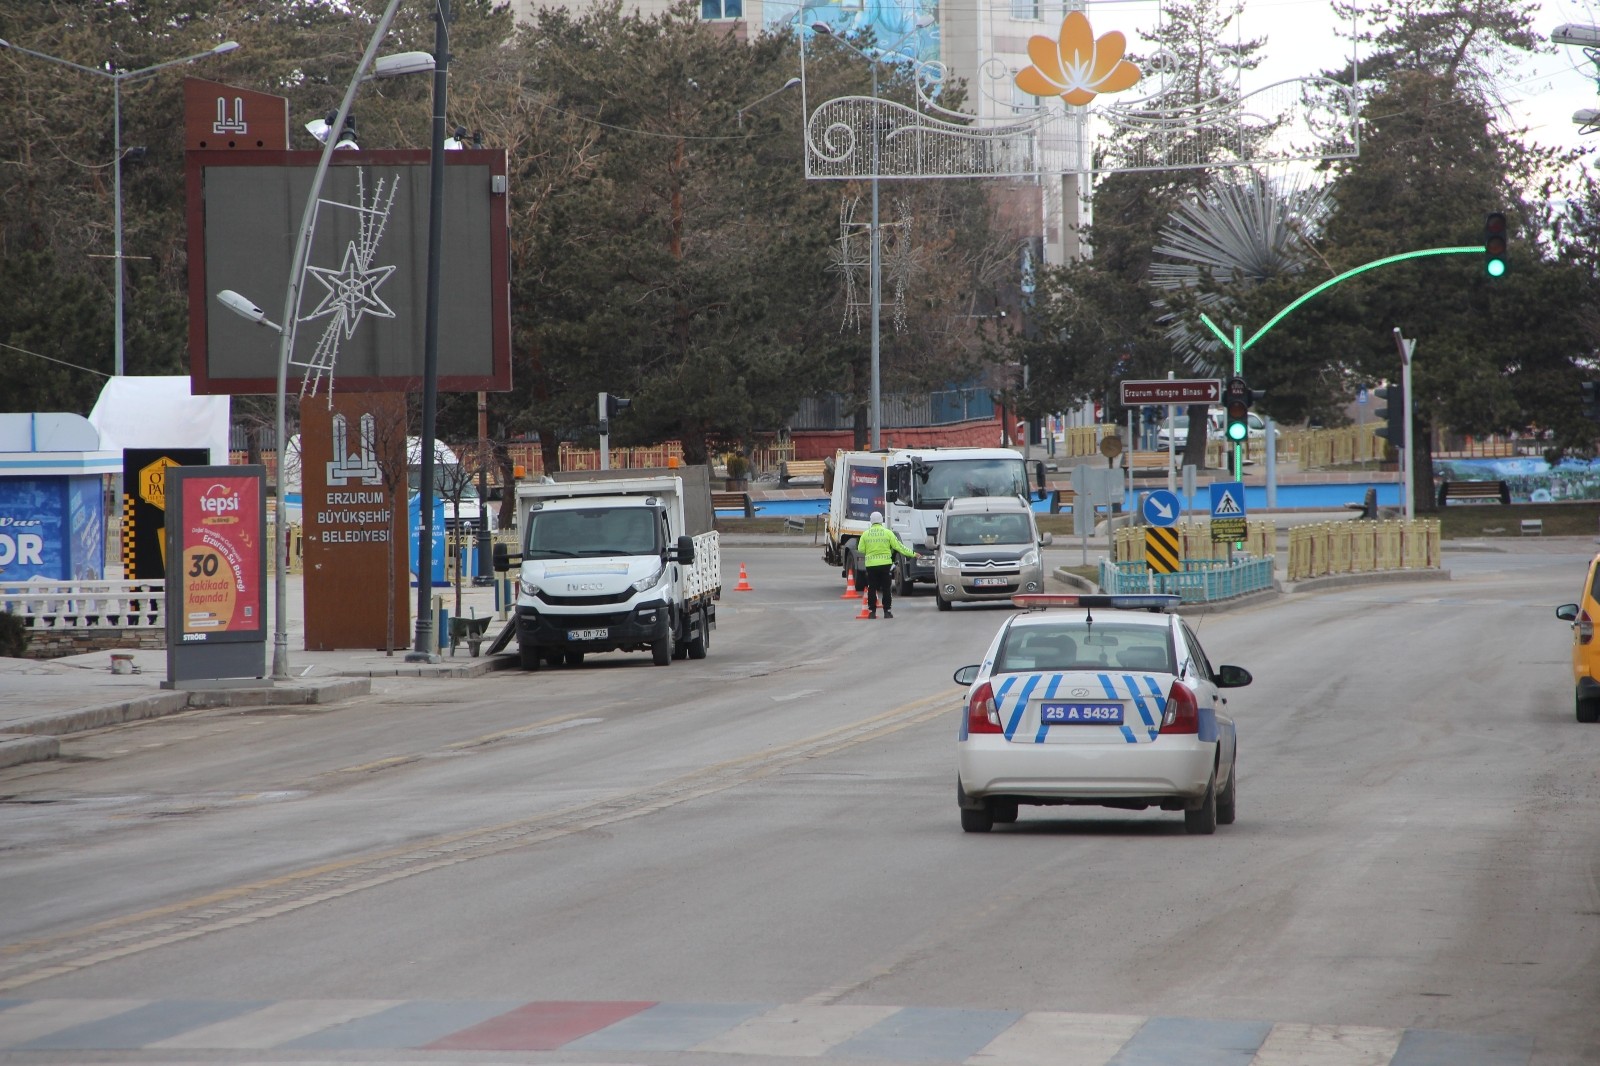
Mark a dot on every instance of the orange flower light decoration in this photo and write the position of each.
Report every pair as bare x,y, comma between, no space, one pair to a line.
1077,66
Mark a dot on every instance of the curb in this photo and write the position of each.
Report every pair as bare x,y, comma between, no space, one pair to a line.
37,739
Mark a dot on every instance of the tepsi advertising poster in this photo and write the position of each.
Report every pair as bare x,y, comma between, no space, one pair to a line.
221,557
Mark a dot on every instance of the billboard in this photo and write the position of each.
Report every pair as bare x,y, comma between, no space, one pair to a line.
363,295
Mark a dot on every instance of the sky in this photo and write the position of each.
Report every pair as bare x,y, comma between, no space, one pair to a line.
1541,94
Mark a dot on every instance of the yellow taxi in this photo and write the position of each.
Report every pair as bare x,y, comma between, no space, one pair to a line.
1585,648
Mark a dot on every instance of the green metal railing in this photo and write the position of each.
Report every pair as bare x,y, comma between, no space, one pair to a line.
1200,580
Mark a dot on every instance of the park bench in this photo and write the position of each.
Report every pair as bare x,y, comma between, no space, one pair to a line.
791,469
1061,500
1154,460
1481,491
733,501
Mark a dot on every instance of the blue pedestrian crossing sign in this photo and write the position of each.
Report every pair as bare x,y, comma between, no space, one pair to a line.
1161,508
1227,511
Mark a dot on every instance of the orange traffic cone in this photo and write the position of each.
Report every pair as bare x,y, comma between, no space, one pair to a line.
850,592
744,581
864,613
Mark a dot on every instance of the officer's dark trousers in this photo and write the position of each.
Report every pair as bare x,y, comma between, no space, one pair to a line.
878,582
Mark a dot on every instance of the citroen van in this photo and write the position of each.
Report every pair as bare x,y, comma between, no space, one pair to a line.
988,548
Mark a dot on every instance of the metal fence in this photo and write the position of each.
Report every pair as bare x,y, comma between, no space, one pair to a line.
1200,580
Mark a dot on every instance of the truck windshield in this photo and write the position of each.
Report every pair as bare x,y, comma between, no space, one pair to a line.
592,531
937,482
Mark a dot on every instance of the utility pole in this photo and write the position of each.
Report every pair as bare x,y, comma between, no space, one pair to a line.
1409,464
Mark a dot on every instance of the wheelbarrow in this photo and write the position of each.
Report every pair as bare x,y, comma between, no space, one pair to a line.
468,631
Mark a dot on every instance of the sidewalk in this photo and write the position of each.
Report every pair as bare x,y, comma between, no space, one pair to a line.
41,700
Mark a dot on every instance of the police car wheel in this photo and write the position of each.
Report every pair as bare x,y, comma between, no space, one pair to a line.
1004,812
1203,820
528,657
976,821
1227,802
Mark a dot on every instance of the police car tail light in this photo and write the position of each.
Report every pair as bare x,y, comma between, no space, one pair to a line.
1183,710
1585,626
982,714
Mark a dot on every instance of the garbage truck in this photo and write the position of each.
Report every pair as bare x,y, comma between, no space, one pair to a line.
612,565
910,486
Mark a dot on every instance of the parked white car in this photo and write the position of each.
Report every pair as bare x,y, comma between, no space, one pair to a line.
1101,700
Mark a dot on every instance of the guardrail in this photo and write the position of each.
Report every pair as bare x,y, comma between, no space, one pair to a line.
86,605
1327,548
1200,580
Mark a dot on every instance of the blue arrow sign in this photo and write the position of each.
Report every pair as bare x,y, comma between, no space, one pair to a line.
1161,507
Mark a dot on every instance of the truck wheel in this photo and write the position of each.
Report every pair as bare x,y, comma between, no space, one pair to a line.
902,584
700,641
528,656
661,651
573,658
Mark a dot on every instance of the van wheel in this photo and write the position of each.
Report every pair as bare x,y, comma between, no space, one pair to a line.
1588,710
938,597
528,656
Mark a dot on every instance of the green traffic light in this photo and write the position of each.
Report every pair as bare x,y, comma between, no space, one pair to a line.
1496,267
1237,431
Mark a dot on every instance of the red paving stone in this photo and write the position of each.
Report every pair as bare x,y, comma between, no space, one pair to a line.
538,1026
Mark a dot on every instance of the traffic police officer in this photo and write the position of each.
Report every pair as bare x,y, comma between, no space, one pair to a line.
878,546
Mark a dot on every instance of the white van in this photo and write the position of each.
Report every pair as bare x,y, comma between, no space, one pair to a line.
987,548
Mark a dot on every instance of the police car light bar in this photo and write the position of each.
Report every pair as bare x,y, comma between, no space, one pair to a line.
1143,601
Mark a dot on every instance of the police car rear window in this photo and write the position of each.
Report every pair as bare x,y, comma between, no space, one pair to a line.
1079,646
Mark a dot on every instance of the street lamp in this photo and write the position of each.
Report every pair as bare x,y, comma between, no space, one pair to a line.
117,78
423,650
404,64
876,234
790,84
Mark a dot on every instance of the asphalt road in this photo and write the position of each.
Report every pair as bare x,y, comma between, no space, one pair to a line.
1416,862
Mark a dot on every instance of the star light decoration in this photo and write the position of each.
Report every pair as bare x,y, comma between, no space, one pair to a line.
352,289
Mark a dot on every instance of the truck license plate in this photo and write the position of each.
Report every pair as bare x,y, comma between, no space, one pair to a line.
588,634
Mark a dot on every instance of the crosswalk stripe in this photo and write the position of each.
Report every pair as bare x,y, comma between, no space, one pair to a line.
800,1030
277,1023
1296,1044
41,1017
1055,1038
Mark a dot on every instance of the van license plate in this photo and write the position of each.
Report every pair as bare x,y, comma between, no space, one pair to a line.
1081,713
984,582
588,634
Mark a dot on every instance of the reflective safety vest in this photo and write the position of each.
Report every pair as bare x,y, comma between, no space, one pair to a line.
878,545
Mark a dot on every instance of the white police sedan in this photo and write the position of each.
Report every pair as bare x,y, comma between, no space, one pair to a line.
1101,700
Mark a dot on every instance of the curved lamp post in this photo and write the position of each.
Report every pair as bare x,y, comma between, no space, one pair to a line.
405,63
117,78
876,234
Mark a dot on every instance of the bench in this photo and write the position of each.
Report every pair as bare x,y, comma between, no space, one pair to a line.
1148,460
1061,500
1490,491
733,501
790,469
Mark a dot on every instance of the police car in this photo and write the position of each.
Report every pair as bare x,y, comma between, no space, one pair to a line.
1102,700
